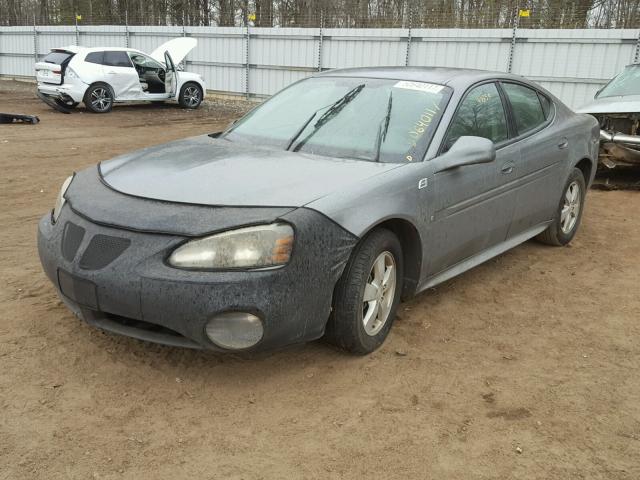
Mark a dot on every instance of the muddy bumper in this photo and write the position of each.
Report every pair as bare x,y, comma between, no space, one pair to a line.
118,280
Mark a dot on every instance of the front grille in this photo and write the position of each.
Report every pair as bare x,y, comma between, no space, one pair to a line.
71,239
102,250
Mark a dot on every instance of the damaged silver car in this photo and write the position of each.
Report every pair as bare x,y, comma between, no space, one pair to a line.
616,106
318,211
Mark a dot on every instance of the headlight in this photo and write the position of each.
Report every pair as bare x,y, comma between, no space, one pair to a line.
60,201
262,246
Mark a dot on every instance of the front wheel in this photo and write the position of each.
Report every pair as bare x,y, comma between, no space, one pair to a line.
367,295
569,213
190,95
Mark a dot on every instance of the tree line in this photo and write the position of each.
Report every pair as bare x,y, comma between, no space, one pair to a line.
328,13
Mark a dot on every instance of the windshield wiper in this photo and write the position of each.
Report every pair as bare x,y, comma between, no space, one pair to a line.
384,128
333,110
301,129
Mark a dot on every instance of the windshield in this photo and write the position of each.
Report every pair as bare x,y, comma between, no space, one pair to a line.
627,83
371,119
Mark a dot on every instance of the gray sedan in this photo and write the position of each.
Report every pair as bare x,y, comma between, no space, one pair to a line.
317,212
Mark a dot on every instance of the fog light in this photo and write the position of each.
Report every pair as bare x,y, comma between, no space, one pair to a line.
235,330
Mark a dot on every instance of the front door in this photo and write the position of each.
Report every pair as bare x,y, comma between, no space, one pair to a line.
171,79
470,208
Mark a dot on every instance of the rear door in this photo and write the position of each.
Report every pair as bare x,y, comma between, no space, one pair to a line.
51,68
544,146
120,74
471,207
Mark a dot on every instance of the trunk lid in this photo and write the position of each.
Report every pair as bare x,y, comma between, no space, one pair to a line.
51,68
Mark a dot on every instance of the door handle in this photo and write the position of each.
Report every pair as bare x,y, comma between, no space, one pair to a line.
111,72
507,168
564,143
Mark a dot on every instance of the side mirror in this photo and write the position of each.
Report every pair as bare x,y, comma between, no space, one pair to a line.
467,151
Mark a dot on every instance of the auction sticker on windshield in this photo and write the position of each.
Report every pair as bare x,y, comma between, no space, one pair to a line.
421,86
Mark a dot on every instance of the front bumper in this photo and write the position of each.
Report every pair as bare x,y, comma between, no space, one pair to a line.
117,279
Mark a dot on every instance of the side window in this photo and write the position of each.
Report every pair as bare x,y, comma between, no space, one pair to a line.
526,106
94,57
480,114
117,58
546,105
140,60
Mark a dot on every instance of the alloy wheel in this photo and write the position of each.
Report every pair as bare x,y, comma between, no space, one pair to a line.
571,208
100,99
379,293
192,96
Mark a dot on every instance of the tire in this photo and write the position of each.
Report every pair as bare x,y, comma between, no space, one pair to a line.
346,327
99,98
190,95
564,228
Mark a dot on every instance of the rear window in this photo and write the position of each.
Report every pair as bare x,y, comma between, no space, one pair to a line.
57,58
526,106
94,57
116,59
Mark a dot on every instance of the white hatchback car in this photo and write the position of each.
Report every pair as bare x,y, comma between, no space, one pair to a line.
101,76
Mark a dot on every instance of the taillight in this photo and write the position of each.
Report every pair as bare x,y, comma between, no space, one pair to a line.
57,71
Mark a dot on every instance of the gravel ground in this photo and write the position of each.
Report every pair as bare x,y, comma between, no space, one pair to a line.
523,368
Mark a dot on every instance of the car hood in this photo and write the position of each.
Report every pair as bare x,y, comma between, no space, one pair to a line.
178,48
206,171
622,104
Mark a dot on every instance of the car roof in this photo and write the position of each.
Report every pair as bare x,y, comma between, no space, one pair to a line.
453,77
77,49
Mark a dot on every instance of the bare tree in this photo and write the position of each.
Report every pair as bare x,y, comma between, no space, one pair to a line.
336,13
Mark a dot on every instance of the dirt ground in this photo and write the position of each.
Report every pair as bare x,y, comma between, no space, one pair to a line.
524,368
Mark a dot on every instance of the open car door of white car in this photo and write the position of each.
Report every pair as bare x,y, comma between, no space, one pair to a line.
170,77
178,49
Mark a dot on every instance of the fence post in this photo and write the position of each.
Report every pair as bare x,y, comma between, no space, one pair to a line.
246,61
126,29
320,33
406,57
636,57
514,33
77,31
35,40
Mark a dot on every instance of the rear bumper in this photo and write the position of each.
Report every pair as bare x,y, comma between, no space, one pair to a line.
75,92
118,280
